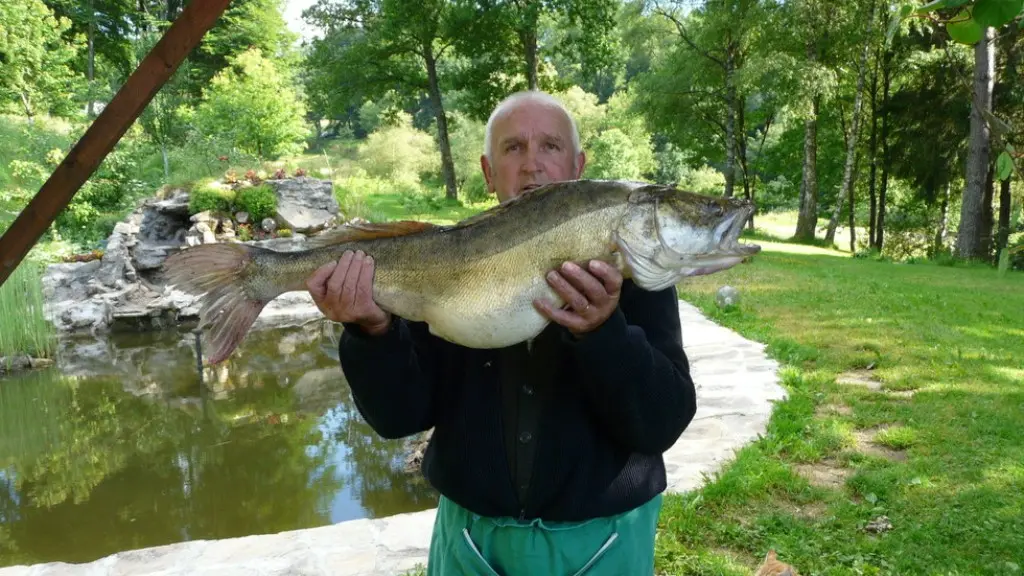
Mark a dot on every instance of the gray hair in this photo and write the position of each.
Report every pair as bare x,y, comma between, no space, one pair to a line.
528,96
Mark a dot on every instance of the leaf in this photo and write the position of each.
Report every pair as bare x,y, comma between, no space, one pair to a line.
1004,165
894,25
941,5
964,29
995,13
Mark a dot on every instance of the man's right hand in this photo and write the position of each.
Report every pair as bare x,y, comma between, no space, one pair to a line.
343,291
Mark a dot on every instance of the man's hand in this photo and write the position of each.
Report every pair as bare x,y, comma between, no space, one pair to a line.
590,297
343,291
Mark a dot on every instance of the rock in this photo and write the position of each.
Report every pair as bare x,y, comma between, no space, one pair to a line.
417,448
162,225
15,363
124,288
268,225
116,266
203,217
305,204
242,217
205,232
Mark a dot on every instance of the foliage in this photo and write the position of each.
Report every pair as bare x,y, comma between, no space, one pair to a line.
24,328
259,201
210,195
398,152
36,61
252,103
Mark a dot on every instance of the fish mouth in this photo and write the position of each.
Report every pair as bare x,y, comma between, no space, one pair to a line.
726,234
729,231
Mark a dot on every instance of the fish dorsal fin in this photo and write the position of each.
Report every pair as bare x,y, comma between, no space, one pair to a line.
356,231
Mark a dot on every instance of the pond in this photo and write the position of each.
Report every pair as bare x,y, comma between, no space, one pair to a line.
121,445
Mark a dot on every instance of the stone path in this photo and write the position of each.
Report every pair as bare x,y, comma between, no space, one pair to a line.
736,385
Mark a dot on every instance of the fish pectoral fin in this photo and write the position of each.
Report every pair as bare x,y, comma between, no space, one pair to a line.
367,231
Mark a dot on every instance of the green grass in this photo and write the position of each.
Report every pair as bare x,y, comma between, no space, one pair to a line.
23,327
945,464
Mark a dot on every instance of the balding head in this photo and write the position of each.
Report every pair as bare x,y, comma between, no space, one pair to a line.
530,140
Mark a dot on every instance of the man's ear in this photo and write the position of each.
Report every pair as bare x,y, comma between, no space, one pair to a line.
581,161
485,167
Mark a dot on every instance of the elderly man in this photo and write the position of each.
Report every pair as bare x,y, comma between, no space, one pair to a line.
547,455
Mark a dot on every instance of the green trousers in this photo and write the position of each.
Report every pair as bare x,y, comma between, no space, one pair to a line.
466,544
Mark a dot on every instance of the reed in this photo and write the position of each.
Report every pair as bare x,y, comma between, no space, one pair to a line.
24,328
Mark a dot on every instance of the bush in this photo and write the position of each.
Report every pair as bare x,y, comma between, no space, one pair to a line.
259,201
208,196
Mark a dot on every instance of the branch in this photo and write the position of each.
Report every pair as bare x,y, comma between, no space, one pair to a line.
686,38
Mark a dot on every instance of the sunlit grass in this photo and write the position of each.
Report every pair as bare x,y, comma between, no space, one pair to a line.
944,432
23,325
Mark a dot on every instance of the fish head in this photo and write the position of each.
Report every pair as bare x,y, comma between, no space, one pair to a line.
667,234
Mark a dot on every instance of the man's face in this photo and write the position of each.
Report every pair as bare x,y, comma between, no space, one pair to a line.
531,146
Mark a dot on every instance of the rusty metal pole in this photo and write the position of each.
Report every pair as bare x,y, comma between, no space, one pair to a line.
162,61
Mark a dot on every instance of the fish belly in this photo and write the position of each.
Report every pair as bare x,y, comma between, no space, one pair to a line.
484,320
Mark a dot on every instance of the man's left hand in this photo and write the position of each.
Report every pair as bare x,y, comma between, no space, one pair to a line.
590,295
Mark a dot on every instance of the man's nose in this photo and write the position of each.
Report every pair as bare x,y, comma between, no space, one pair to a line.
530,163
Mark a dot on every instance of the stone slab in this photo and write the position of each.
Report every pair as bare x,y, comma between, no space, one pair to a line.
737,386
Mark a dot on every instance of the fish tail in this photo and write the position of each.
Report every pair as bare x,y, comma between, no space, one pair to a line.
218,271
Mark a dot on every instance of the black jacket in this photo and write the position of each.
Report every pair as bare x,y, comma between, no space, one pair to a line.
561,429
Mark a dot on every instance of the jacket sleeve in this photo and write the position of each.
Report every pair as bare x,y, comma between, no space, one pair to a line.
392,376
636,374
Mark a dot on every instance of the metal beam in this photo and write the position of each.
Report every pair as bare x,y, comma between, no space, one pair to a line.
153,72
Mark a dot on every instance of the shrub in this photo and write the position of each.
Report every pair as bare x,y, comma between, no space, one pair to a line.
259,201
207,195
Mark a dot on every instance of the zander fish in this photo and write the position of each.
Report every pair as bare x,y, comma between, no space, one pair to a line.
474,282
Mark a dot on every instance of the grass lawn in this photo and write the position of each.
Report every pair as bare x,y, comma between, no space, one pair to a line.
929,437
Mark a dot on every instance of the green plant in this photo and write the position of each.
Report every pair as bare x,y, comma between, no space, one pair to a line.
206,195
24,328
259,201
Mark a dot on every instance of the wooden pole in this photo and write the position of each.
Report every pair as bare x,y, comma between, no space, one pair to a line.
153,72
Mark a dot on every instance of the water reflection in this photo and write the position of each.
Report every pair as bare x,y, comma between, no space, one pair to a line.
120,447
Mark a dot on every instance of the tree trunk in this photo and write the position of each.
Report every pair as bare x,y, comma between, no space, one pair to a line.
987,217
849,177
167,162
91,67
447,165
741,144
27,103
970,242
940,234
528,36
730,126
808,218
884,186
1003,232
873,151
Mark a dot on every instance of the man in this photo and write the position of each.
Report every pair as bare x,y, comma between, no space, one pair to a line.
547,455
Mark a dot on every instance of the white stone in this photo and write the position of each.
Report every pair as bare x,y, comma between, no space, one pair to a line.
736,388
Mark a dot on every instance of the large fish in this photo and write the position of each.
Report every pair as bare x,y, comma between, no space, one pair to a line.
474,282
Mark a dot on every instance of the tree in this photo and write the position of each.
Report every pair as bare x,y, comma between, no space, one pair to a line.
254,105
390,45
975,23
701,79
35,60
851,146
